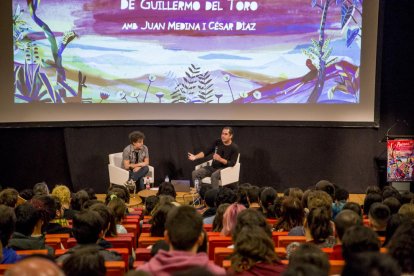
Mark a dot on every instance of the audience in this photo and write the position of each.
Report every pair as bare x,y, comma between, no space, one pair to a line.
359,239
378,216
159,218
341,197
242,190
108,223
310,254
85,261
166,188
35,265
401,247
254,253
292,215
7,226
370,199
407,211
210,212
326,186
118,208
87,229
353,206
40,189
218,218
267,198
62,192
202,193
9,197
230,218
371,264
318,228
150,203
253,195
343,221
392,225
184,234
296,192
392,203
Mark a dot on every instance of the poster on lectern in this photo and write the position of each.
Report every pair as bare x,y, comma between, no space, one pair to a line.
400,161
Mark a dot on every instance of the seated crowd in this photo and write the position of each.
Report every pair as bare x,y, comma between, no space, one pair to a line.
259,231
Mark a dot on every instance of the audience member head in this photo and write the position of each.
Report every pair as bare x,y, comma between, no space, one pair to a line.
369,200
371,264
379,214
344,220
251,246
267,199
373,189
304,270
407,211
7,223
253,195
353,206
407,197
9,197
184,229
242,193
392,203
63,193
27,217
230,218
150,203
225,195
251,217
40,188
26,194
277,206
359,239
48,206
211,197
319,199
79,198
91,193
310,254
87,204
390,191
87,227
166,188
218,219
326,186
35,265
118,207
305,197
392,225
341,195
204,187
85,261
401,246
108,219
296,192
158,220
318,223
292,214
120,191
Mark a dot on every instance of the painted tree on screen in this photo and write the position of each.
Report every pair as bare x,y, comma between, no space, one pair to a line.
320,49
57,51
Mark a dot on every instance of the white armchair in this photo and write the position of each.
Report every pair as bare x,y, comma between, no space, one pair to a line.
228,175
118,175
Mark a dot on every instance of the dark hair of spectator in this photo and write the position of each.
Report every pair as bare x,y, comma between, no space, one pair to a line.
118,207
319,223
379,213
308,253
108,218
359,239
251,246
296,192
78,199
7,223
84,261
392,203
41,188
87,225
401,246
158,220
26,194
27,217
344,220
150,203
91,193
218,219
210,197
371,264
9,197
251,217
353,206
166,188
373,189
407,197
253,194
184,226
242,194
225,195
267,199
292,214
369,200
203,189
341,194
120,191
326,186
392,225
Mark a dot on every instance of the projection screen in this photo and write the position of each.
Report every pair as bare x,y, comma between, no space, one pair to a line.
268,60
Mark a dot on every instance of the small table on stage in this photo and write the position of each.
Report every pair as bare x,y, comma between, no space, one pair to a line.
182,197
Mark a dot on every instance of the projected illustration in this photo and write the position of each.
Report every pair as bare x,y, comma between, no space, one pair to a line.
205,52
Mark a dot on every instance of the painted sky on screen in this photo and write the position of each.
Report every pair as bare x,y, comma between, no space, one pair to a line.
206,52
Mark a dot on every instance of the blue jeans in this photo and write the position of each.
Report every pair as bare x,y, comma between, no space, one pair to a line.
139,176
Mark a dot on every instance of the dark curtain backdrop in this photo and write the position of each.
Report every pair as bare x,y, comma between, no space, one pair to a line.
275,156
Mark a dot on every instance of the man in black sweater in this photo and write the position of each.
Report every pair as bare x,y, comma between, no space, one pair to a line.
225,154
